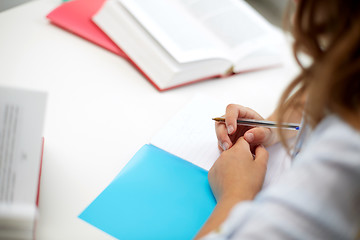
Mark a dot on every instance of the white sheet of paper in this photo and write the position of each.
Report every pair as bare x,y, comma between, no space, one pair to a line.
190,135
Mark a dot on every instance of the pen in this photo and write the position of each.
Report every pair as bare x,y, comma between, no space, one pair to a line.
261,123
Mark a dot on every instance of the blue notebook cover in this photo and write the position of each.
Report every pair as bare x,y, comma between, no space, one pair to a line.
155,196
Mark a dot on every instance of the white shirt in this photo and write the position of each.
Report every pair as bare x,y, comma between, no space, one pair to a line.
317,198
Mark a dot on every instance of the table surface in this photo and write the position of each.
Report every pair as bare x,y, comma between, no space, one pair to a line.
100,110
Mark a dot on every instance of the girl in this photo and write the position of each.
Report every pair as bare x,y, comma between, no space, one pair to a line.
319,197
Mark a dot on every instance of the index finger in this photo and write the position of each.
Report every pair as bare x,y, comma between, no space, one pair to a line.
234,111
224,140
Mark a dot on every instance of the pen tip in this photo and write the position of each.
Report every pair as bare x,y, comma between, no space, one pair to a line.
218,119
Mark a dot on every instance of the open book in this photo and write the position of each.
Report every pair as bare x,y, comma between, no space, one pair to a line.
177,42
21,144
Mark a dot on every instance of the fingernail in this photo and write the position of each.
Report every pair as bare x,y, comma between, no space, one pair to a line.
230,129
249,137
225,146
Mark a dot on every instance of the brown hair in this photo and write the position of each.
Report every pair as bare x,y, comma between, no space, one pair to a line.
329,32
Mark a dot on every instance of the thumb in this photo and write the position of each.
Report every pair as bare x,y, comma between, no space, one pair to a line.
261,155
258,135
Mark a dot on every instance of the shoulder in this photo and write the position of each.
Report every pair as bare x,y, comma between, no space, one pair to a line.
333,125
333,140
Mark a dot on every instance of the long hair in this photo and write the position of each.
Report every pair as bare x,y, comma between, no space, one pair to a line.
328,31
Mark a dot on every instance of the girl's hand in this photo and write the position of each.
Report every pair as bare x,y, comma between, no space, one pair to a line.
237,174
228,133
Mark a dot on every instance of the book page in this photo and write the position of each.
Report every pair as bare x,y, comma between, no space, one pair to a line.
190,135
235,23
21,124
229,20
175,29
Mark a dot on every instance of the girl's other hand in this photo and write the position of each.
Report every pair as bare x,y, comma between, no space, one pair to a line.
237,174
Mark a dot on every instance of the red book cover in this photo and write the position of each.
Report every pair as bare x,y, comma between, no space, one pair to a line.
75,16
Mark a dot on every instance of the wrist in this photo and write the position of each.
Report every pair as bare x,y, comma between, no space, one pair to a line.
219,214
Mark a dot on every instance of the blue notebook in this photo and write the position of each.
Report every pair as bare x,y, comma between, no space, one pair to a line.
155,196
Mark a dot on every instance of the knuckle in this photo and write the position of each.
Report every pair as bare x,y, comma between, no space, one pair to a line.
223,137
238,147
230,107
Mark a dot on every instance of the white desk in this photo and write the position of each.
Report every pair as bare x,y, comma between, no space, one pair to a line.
100,110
